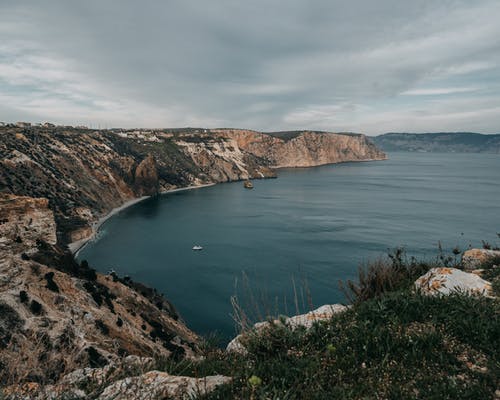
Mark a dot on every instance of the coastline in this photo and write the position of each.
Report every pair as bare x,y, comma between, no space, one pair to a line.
77,246
278,167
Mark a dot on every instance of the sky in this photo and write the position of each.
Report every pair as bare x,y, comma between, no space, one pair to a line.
352,66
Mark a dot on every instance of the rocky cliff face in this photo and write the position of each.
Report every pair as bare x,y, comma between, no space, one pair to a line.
146,177
305,149
84,174
56,315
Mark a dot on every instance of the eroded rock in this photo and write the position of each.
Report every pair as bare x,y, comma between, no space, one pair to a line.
68,316
146,177
474,258
156,385
445,281
323,313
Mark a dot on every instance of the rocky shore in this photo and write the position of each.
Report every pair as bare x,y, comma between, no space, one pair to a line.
58,185
86,174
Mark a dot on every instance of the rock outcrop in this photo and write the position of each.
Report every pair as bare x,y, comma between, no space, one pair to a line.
323,313
156,385
445,281
132,378
305,149
85,174
56,315
146,177
474,258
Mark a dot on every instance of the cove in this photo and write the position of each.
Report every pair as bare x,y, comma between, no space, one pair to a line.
309,228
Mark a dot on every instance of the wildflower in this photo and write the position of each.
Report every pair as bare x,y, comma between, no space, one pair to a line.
254,381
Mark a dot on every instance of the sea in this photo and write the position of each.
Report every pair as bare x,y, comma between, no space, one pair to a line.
284,246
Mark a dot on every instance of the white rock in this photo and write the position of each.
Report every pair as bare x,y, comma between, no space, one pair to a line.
449,280
132,364
322,313
156,385
473,258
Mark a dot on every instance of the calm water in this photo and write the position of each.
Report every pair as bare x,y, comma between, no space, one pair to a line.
310,225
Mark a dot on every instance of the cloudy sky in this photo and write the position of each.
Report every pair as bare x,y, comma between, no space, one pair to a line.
362,66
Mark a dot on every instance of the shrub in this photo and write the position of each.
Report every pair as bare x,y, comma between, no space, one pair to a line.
23,296
386,275
51,285
102,327
9,321
35,307
401,345
491,272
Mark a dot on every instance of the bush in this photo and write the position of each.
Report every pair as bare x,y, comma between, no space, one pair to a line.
387,275
491,272
35,307
102,327
23,296
401,345
51,285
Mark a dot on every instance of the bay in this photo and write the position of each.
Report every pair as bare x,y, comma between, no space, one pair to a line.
285,244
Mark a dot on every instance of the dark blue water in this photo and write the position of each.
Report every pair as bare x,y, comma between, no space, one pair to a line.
310,226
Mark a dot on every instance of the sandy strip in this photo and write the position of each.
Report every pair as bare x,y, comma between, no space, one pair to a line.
76,247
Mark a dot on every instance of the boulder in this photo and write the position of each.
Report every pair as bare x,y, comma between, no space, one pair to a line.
95,377
322,313
88,382
156,385
445,281
474,258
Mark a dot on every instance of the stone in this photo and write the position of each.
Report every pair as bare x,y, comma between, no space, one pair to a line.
156,385
323,313
445,281
473,258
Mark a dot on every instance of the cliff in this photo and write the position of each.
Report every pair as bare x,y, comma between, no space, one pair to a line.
55,183
56,315
305,148
444,142
84,174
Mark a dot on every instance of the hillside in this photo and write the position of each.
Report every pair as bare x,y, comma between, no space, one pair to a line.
84,174
443,142
59,316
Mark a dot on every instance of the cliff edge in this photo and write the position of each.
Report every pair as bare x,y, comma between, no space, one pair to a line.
85,174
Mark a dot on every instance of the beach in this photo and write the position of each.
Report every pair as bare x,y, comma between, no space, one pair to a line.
78,245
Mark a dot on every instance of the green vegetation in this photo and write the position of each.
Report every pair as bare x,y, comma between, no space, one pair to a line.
403,345
492,273
393,343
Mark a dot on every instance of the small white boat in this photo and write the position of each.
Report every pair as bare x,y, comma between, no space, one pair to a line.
197,248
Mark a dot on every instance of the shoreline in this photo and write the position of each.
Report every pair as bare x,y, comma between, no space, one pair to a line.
333,163
77,246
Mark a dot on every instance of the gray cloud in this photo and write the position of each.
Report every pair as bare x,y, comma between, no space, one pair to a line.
360,66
